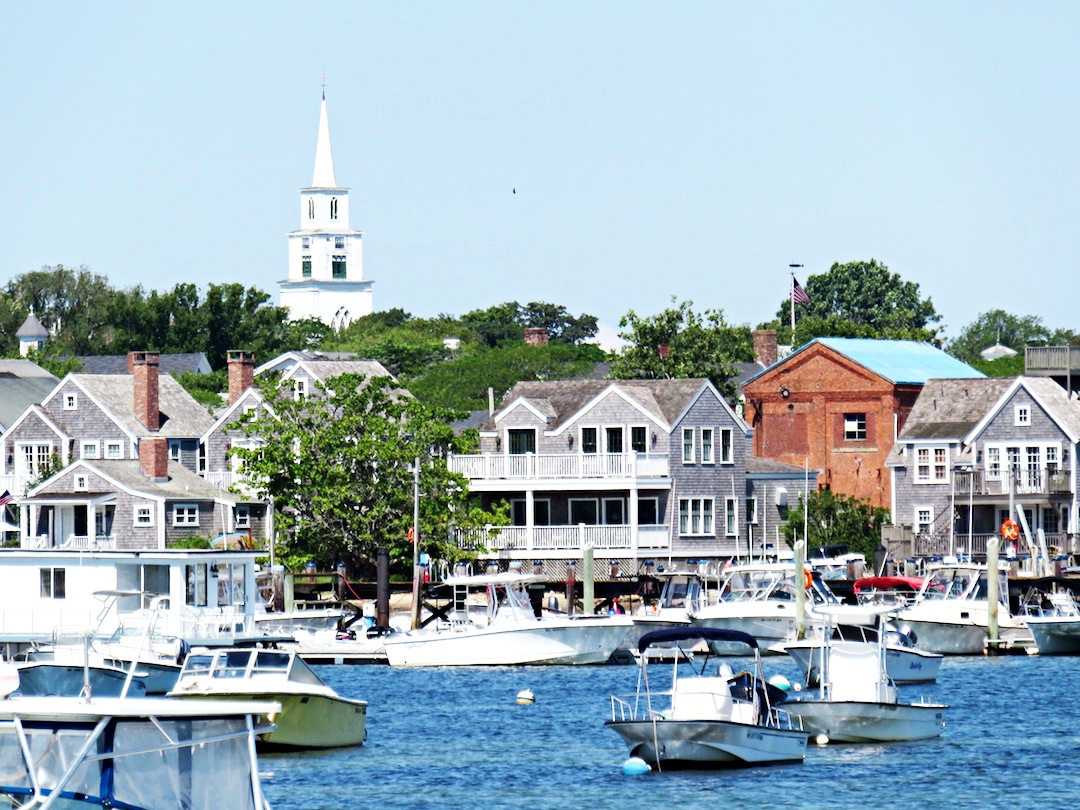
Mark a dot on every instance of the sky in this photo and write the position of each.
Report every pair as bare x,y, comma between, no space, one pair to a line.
657,149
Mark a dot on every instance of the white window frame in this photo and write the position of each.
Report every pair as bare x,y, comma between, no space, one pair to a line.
176,450
93,446
697,517
708,446
71,401
119,446
49,589
242,516
185,514
919,524
731,517
1022,415
689,450
596,507
142,516
32,457
727,446
932,469
751,511
855,427
300,388
82,482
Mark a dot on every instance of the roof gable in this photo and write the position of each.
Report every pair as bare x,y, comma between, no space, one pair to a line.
950,409
181,414
1051,397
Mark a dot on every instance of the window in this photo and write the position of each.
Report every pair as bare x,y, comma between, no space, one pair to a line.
1050,521
854,427
648,511
299,388
144,516
727,446
311,209
305,243
333,208
53,583
614,438
696,516
751,511
731,517
614,511
186,514
706,446
1022,416
339,243
71,402
195,584
174,450
114,450
688,445
82,483
541,512
88,449
584,511
337,267
639,439
305,266
931,465
521,441
993,463
33,459
588,440
924,516
242,517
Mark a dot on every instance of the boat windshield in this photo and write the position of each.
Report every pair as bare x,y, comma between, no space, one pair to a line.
962,583
756,585
680,592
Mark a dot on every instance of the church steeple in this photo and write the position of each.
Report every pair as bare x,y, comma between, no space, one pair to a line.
323,177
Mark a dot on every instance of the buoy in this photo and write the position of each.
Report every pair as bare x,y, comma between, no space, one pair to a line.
822,739
780,682
636,766
526,697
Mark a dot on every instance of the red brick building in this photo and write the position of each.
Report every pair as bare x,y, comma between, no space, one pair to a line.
837,404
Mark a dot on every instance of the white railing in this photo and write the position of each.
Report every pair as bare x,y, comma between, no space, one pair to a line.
14,483
566,538
42,621
563,465
81,542
225,480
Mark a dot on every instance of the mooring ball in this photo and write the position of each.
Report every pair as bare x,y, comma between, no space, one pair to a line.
635,766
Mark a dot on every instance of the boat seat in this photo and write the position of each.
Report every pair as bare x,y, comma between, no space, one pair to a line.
854,672
701,699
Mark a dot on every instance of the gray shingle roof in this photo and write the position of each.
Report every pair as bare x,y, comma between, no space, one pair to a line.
326,369
170,363
181,415
949,409
182,482
32,327
1064,409
19,393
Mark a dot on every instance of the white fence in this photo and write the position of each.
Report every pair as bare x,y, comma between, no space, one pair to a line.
565,465
611,539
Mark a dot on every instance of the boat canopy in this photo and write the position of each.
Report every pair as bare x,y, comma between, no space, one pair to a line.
694,634
888,584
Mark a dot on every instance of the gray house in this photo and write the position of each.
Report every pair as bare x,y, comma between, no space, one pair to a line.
639,469
972,453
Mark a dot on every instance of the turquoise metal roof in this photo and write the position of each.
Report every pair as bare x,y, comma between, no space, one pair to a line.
903,362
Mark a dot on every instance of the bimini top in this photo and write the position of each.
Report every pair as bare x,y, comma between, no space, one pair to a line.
695,634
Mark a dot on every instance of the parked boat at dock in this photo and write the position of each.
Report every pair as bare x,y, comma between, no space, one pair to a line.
1053,617
904,661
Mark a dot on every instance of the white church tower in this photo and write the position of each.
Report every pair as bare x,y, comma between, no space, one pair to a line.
326,268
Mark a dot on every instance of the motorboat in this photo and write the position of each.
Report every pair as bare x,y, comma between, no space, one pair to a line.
856,700
904,662
136,753
887,590
719,720
1053,617
951,613
508,631
680,592
312,714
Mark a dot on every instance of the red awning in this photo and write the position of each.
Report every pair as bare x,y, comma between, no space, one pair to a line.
888,584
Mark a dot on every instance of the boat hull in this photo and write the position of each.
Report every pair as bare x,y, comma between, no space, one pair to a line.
42,678
770,628
708,743
1055,635
903,664
866,722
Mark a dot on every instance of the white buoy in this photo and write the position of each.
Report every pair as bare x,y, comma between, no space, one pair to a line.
636,766
822,739
526,697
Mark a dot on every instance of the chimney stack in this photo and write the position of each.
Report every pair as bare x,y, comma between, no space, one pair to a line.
144,366
154,457
536,336
241,373
765,346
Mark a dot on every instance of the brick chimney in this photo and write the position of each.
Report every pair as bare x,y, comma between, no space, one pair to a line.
536,336
154,457
765,346
241,373
144,366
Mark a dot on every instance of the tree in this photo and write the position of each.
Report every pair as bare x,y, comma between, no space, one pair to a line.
679,343
338,466
506,323
836,520
862,299
72,304
994,327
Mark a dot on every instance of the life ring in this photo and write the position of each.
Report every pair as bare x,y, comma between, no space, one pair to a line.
1010,529
808,578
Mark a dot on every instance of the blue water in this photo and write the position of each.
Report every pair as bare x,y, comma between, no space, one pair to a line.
449,738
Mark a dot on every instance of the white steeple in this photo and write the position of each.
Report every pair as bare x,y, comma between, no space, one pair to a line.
326,271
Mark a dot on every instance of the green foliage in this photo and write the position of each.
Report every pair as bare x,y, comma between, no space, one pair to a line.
59,367
998,326
54,465
1002,367
192,541
859,299
702,345
72,304
836,520
506,323
462,382
339,468
207,389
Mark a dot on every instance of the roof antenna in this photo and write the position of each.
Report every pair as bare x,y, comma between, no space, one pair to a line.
324,85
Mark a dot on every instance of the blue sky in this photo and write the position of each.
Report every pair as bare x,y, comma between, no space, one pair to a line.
688,149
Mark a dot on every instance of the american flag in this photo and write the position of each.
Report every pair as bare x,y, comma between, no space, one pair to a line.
798,294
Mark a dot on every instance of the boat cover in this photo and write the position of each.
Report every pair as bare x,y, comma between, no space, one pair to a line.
888,584
694,634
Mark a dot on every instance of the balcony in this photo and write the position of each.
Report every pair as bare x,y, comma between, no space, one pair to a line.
563,466
74,542
1024,482
14,483
1043,360
230,481
541,541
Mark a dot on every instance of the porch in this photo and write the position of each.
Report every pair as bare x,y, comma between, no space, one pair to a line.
986,483
562,466
560,541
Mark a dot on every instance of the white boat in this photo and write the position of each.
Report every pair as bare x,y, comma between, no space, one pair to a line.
508,632
1053,618
136,753
951,613
904,662
312,715
856,700
681,591
721,720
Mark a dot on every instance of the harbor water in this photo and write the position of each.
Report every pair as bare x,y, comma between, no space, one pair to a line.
449,738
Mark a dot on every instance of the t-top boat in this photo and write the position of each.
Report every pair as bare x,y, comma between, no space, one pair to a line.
1052,615
720,720
856,700
904,661
135,753
508,632
312,714
680,592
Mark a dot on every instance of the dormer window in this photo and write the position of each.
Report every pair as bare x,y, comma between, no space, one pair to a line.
333,208
1022,416
299,388
82,483
71,401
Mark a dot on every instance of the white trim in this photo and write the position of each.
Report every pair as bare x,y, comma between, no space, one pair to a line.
932,464
1021,414
135,509
71,401
693,445
731,446
704,516
711,447
94,443
186,507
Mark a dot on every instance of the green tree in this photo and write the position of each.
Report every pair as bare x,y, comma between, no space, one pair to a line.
861,299
836,520
506,323
680,343
72,304
339,468
994,327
